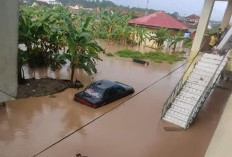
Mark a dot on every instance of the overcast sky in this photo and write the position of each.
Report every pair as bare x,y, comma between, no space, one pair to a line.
184,7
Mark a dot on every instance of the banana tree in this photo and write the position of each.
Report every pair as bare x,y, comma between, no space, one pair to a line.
175,39
142,35
82,48
161,35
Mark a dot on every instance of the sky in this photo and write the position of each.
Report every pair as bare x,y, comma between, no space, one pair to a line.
183,7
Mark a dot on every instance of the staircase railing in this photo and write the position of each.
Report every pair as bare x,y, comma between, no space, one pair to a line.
204,95
179,86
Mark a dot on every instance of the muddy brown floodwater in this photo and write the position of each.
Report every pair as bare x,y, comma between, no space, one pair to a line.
28,126
135,130
58,126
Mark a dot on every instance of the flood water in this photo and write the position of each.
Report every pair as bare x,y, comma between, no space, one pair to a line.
113,47
30,126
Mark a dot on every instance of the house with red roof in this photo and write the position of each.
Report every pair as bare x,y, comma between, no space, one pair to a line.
158,20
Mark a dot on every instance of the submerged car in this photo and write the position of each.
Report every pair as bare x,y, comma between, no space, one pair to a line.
103,92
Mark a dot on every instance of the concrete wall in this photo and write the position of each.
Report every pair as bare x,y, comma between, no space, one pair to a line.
220,145
8,48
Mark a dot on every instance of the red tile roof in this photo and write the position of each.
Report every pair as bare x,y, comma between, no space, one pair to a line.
160,20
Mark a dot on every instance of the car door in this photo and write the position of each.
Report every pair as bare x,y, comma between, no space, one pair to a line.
119,92
114,93
109,96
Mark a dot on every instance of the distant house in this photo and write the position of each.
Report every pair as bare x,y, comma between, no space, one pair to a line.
158,20
39,3
191,21
74,9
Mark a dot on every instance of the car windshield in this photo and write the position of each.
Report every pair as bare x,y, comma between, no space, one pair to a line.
94,92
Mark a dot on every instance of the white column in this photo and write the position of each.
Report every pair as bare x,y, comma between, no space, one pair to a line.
202,26
226,42
227,15
8,49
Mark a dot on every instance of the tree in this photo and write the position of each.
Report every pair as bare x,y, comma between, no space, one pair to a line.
175,15
39,31
161,35
142,35
82,49
175,39
46,31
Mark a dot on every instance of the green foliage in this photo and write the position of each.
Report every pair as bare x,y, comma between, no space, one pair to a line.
48,31
40,31
130,54
113,26
212,31
89,4
175,39
162,57
160,36
188,43
158,57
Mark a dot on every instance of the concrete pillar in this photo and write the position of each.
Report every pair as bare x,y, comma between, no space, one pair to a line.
226,42
202,26
227,15
8,49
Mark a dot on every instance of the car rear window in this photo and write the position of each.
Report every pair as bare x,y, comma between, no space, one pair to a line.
94,92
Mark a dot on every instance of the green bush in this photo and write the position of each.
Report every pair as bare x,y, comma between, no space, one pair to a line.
130,54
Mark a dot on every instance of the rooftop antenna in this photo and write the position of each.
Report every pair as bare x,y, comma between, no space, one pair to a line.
147,7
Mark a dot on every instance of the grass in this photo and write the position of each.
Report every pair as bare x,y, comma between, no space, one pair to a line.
109,54
158,57
130,54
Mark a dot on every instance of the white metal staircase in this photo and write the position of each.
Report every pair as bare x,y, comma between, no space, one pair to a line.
188,96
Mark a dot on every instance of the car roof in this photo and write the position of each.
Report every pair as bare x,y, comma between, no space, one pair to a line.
104,84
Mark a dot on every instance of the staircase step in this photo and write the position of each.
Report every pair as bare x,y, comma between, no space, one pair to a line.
210,61
198,82
207,65
177,115
175,121
198,74
189,94
186,98
191,90
210,70
180,110
194,86
212,56
192,102
202,73
183,105
198,77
